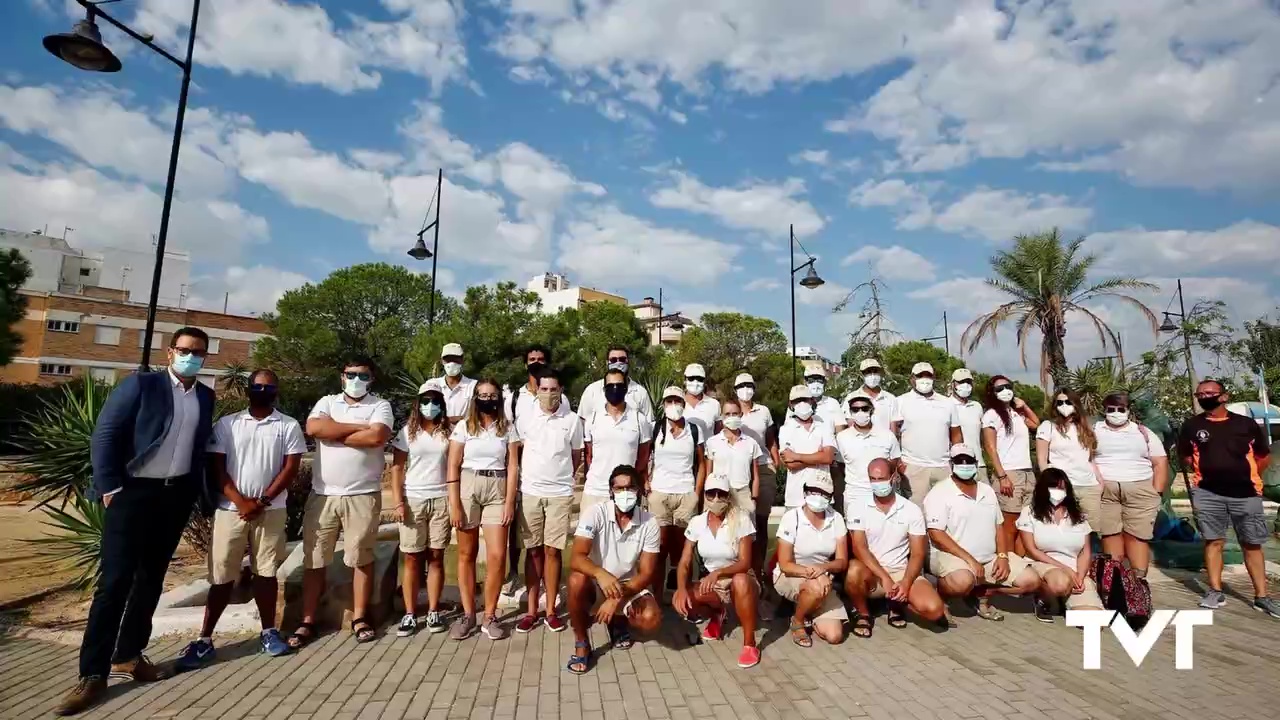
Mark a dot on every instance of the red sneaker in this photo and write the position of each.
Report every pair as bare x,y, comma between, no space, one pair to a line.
527,624
554,623
714,629
749,657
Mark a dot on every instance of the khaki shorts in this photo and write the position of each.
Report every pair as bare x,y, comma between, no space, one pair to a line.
1128,507
789,588
263,536
590,501
676,509
879,590
484,499
544,521
724,588
742,500
768,490
1087,598
356,516
1024,481
919,479
426,527
943,564
1090,499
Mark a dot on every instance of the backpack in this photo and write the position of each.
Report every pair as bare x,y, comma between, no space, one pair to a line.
660,428
1122,590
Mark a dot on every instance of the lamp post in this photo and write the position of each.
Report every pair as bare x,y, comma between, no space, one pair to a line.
945,337
83,48
419,250
810,281
673,319
1169,326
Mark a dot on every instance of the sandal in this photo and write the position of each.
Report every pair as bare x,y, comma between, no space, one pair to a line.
862,626
986,612
580,662
299,639
620,635
800,635
897,618
366,633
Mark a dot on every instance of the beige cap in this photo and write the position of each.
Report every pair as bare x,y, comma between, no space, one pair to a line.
430,385
822,481
744,379
858,394
451,349
869,364
695,370
960,449
716,481
961,374
672,392
921,367
814,369
801,392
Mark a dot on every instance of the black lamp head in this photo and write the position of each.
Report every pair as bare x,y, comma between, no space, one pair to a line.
83,48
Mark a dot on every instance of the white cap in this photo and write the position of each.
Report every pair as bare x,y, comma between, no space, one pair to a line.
716,481
430,385
822,481
869,364
801,392
961,449
451,349
744,379
961,375
672,392
695,370
858,394
921,367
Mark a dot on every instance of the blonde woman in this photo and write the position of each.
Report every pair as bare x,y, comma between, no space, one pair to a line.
484,464
1066,440
734,455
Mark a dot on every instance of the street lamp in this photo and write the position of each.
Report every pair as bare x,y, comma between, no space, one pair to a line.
810,281
945,337
419,250
672,320
83,49
1169,326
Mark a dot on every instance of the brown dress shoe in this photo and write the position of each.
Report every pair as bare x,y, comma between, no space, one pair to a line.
83,696
140,670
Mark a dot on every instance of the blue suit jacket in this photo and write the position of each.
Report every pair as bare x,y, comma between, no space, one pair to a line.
132,425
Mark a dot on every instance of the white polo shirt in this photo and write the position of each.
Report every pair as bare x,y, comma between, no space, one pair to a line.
546,462
812,545
857,449
593,399
717,549
967,415
705,414
1124,455
341,470
424,473
828,410
1067,454
527,402
486,450
798,438
457,400
613,548
733,460
1060,540
673,461
926,428
888,533
971,522
884,407
614,442
1013,441
256,450
755,425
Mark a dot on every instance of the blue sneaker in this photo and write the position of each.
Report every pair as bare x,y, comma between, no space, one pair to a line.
273,644
195,656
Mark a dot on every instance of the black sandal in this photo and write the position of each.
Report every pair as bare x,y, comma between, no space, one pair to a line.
298,639
897,618
366,633
620,635
862,626
583,659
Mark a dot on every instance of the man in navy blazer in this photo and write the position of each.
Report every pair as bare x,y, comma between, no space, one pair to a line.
149,465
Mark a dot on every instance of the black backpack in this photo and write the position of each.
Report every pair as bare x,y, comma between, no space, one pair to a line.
660,429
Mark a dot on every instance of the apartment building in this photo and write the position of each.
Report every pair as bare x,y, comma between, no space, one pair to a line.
557,293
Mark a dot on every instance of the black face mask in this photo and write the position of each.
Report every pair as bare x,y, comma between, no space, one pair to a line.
488,407
1210,403
615,393
536,368
262,398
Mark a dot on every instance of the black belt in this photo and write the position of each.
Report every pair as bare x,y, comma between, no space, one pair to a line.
491,473
159,482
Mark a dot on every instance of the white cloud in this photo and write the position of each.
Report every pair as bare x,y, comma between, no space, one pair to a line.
825,295
540,183
609,247
245,290
812,157
894,263
758,206
761,285
1246,244
695,310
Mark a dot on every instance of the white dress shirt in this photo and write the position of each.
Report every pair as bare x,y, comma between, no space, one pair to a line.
970,521
341,470
614,549
889,532
173,457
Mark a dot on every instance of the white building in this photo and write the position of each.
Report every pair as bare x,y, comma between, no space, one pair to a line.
557,293
57,267
810,356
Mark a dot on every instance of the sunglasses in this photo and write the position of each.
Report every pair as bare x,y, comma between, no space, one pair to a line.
695,378
1063,403
744,385
618,359
998,388
183,352
262,387
354,375
717,494
860,408
1116,408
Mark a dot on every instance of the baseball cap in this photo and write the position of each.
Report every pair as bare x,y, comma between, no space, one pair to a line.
716,481
869,364
961,375
430,386
695,370
450,349
960,449
921,367
744,379
801,392
672,392
821,481
814,370
858,394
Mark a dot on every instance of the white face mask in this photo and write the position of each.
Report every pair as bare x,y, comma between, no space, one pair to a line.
1066,410
872,380
1005,395
695,387
732,422
355,387
625,500
619,367
924,386
817,388
746,393
862,418
964,391
453,369
803,410
673,411
1057,495
1117,419
817,503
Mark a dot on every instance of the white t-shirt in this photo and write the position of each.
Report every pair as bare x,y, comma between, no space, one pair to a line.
804,440
705,414
888,533
857,449
673,459
527,402
1067,454
1124,455
457,400
967,415
486,450
1012,443
256,450
884,407
546,463
341,470
735,460
613,548
614,442
424,473
717,549
593,400
971,522
812,545
755,425
1061,540
926,428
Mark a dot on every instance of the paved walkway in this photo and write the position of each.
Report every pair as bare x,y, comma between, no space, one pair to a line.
1018,668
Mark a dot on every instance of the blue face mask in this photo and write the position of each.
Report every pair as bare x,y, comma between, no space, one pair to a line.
965,472
186,365
430,410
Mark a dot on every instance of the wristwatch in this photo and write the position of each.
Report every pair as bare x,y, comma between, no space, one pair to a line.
1002,556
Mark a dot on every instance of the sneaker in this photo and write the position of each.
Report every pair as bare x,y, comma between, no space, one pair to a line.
140,670
554,623
714,629
83,696
749,657
463,628
435,622
273,644
1043,613
195,656
1213,599
408,626
492,629
1267,605
526,624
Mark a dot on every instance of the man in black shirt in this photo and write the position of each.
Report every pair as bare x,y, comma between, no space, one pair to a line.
1225,455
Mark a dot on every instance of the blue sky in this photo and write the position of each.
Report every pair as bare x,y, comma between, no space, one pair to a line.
638,144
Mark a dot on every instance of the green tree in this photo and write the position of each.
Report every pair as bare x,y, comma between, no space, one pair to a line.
899,358
727,343
14,271
1047,279
1259,351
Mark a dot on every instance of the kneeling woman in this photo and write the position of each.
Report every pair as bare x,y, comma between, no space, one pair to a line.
1056,537
813,545
722,538
615,557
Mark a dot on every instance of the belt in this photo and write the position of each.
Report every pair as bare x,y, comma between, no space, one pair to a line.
160,482
491,473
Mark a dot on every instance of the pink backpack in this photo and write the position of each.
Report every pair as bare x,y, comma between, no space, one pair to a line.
1122,590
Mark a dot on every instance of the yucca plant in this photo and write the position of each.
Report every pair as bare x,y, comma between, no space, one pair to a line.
655,380
78,543
56,447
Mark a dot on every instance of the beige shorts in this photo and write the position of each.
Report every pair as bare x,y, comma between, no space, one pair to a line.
879,590
590,501
426,526
943,564
789,588
1090,499
742,500
1128,507
724,587
768,490
677,509
544,521
355,516
919,479
1024,481
484,499
263,536
1087,598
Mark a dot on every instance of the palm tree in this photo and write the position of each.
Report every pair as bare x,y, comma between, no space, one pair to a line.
1048,278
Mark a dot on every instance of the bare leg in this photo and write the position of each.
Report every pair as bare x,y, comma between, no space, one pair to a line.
924,601
807,602
582,595
1027,582
957,584
1056,584
409,585
746,601
435,579
265,590
219,598
1213,562
551,575
1255,562
858,583
495,563
1113,545
534,566
362,590
1010,532
468,547
312,589
1139,554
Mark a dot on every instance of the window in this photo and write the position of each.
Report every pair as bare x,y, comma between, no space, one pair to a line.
157,339
84,272
66,326
214,345
52,369
103,375
106,335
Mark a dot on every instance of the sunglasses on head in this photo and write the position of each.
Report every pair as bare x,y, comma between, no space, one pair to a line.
1116,408
353,375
